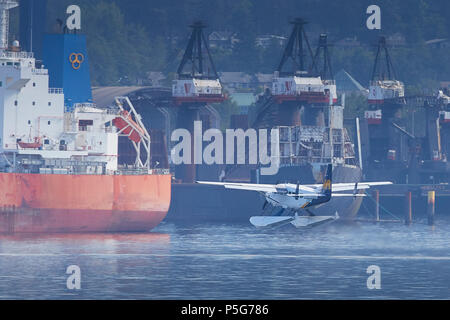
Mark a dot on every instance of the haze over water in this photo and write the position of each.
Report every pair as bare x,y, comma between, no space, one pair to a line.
232,262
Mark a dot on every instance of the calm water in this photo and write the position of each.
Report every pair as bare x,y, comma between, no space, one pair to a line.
232,262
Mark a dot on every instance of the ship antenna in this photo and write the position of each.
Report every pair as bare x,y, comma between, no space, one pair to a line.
31,26
5,6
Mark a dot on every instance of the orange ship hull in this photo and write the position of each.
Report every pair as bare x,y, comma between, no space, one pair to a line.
47,203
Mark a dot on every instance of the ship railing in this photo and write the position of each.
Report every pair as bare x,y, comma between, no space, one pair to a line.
112,110
129,171
40,71
301,133
389,83
84,105
55,90
329,82
301,160
160,171
16,55
59,163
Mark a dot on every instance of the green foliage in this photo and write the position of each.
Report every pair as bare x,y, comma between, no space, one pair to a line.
355,105
121,51
226,109
121,54
128,38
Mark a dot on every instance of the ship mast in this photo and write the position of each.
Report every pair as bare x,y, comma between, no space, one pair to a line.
5,6
194,55
379,73
294,50
325,72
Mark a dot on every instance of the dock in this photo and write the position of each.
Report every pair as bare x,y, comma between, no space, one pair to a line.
406,203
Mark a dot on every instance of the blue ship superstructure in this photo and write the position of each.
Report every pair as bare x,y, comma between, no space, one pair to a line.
63,52
66,58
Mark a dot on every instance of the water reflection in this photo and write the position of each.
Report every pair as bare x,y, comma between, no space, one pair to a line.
232,262
82,243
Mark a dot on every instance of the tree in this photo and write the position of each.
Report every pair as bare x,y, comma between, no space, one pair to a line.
127,38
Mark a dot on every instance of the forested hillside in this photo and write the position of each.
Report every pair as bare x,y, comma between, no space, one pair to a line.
128,38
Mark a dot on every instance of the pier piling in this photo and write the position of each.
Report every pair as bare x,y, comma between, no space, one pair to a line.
408,208
376,196
431,207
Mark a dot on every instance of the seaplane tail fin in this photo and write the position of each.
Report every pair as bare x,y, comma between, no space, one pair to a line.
327,184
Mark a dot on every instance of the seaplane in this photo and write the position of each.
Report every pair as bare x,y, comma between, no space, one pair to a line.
299,199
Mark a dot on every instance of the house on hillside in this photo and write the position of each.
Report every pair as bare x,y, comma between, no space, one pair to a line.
348,42
265,41
396,40
243,100
445,85
264,80
155,79
222,40
438,43
237,81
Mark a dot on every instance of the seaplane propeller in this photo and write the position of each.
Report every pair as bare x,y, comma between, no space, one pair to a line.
355,191
297,190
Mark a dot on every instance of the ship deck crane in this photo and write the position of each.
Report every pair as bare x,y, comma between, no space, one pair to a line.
300,81
196,86
325,72
197,79
386,97
129,124
294,79
385,89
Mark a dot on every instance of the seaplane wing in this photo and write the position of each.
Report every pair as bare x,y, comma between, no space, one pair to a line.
268,188
337,187
302,195
305,190
312,195
348,195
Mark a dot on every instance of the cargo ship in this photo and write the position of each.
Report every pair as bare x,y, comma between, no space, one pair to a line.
59,169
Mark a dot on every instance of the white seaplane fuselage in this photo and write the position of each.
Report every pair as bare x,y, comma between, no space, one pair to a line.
289,200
